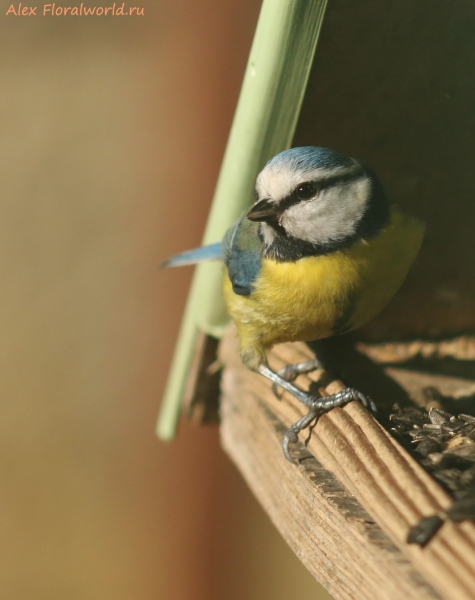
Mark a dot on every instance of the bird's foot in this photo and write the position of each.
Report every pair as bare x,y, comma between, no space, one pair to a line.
318,406
291,372
292,434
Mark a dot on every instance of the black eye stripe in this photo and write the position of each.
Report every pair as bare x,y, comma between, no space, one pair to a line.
286,248
320,185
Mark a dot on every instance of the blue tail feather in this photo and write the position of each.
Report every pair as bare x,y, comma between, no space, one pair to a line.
191,257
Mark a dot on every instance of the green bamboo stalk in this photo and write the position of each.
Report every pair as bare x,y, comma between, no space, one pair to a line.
264,124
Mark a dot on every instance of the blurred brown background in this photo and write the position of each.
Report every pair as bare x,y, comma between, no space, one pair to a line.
113,131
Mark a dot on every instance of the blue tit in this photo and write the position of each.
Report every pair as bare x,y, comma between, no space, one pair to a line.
320,253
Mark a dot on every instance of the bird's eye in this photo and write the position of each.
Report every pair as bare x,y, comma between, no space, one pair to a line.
306,190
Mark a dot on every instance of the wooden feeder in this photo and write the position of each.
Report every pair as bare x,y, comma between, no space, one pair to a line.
389,85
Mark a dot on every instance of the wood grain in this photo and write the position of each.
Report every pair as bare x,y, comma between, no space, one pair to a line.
347,508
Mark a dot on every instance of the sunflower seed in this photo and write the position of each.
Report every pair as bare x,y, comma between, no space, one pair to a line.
428,446
467,418
462,509
438,417
432,427
425,530
449,477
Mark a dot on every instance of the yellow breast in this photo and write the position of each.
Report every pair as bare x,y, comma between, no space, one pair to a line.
316,297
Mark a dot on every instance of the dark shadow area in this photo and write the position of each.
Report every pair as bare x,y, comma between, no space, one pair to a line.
340,356
448,367
391,85
343,360
451,367
464,405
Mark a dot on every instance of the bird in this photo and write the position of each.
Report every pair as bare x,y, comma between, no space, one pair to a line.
321,252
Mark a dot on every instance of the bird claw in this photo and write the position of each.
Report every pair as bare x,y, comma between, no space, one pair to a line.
366,402
318,406
290,437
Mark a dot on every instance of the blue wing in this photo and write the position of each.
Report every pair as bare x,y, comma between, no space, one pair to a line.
191,257
240,251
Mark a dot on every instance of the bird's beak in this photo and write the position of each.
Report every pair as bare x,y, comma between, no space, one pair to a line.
264,210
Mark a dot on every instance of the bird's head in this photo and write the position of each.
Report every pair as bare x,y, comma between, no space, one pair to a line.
317,197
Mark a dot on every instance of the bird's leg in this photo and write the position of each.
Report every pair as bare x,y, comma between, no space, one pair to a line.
277,379
291,372
316,405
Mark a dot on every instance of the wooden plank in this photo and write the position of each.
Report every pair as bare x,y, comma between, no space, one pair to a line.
201,395
353,541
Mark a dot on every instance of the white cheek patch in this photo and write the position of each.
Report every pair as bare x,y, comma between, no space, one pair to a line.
332,216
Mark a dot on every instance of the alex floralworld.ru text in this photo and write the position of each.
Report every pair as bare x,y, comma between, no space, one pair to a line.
115,10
